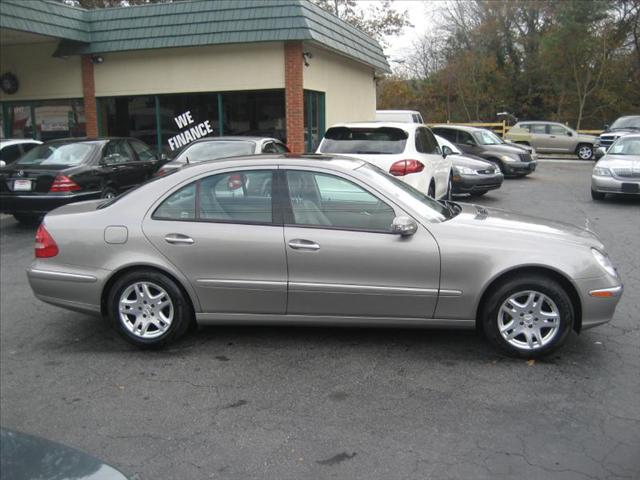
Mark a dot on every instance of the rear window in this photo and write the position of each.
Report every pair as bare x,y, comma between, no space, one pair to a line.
370,141
66,154
201,151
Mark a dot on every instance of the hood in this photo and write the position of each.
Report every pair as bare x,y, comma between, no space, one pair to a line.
515,225
470,161
587,138
620,161
521,146
503,148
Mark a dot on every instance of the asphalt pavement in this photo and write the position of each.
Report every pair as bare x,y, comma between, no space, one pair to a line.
294,403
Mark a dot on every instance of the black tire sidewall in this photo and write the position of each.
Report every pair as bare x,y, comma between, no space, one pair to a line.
542,284
107,190
183,316
585,145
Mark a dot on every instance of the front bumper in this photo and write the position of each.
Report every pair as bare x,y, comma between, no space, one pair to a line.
40,204
599,297
615,185
520,168
476,183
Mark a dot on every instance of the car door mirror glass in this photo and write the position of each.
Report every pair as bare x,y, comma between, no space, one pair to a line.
403,225
446,151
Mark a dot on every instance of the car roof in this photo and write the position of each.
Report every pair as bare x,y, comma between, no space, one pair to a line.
15,141
466,128
544,122
397,111
379,124
234,138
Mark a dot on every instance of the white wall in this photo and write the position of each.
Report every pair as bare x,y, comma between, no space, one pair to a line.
350,88
39,74
195,69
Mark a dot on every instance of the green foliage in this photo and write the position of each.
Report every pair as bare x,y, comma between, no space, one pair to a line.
574,61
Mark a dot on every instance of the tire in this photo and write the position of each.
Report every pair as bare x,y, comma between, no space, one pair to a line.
432,191
137,290
597,195
584,151
29,219
521,319
478,194
108,192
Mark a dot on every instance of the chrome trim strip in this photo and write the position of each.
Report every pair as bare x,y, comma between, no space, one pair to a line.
64,276
240,283
616,291
371,288
450,293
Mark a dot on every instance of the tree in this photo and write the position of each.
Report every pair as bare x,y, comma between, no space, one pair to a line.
378,21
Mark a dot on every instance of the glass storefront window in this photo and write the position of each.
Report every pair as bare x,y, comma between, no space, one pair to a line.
19,120
129,117
313,119
259,114
59,119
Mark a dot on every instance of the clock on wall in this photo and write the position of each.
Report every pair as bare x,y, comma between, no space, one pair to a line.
9,83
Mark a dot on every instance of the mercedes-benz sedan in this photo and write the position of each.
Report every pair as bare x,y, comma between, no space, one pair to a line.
318,240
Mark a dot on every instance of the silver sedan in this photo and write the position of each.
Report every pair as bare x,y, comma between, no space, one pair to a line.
619,170
318,240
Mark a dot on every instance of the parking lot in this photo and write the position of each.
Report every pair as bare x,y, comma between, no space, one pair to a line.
291,403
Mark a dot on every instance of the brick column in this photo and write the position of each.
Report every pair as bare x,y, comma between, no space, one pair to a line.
89,94
294,96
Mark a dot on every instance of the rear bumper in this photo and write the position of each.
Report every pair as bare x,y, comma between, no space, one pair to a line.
476,183
40,204
520,168
615,185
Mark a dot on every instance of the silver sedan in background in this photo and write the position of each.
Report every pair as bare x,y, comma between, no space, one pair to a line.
619,170
318,241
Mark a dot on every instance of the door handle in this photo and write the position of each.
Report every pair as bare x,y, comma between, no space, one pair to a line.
178,239
300,244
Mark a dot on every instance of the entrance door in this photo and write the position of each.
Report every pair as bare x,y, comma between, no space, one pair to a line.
344,261
314,122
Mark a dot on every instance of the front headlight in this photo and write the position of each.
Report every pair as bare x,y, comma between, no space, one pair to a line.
507,158
465,171
601,172
604,262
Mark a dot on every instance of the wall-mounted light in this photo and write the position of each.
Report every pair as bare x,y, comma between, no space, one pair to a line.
97,59
305,58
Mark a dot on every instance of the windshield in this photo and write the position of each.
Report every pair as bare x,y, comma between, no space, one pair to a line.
66,154
201,151
626,146
485,137
373,141
426,206
626,122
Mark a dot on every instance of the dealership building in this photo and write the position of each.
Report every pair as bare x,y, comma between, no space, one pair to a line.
280,68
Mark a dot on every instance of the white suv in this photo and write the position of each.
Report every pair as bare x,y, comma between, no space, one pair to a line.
408,151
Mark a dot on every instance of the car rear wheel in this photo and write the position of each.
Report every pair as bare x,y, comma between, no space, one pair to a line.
597,195
28,218
149,309
528,317
585,151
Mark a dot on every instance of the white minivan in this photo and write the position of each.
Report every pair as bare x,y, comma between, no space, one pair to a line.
408,151
411,116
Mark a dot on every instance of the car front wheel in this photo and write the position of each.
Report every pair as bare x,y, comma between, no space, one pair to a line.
149,309
585,152
528,317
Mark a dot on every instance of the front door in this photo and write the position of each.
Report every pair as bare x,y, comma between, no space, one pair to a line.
221,233
342,258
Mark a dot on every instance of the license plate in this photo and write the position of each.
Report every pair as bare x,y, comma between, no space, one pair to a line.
631,188
22,185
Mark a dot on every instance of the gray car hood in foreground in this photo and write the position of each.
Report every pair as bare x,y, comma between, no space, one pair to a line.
620,161
513,225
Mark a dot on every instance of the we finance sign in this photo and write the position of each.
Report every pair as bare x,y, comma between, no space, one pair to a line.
190,132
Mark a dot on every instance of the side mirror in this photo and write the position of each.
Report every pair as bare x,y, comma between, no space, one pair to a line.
404,226
569,133
3,164
446,151
606,127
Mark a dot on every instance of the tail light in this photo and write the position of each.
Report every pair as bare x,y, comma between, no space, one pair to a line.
404,167
62,183
45,244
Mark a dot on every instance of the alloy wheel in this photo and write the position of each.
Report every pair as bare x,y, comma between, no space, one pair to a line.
585,152
146,310
528,320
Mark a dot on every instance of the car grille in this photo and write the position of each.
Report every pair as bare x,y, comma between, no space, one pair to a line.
607,140
525,157
626,173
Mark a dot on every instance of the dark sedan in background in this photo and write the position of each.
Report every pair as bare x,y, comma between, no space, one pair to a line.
512,159
470,175
71,170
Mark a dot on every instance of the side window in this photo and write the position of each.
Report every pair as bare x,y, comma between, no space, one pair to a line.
280,147
10,154
179,206
28,146
446,133
465,138
145,154
538,129
269,147
425,141
237,197
525,126
117,151
323,200
557,130
416,118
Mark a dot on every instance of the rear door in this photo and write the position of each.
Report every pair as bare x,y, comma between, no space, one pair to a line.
146,158
559,139
119,165
226,237
539,137
342,258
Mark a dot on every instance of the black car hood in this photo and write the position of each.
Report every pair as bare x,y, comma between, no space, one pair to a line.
469,161
26,457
